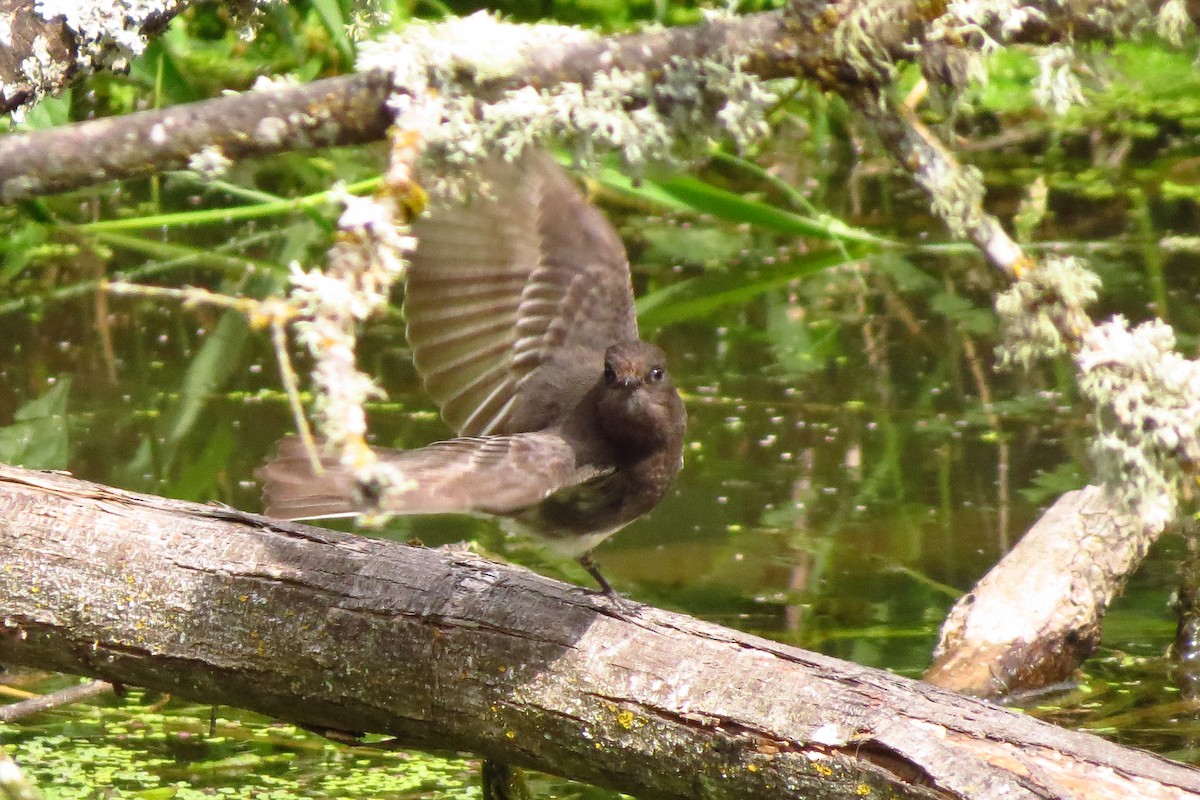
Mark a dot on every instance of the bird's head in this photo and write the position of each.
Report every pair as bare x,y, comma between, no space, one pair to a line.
638,403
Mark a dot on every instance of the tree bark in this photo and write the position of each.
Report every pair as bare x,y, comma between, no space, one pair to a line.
334,111
446,650
1037,614
813,39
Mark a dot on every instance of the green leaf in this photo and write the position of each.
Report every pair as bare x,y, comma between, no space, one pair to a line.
705,198
38,439
17,247
801,347
699,244
200,473
689,195
699,296
952,306
50,112
908,277
158,68
161,793
330,12
1049,485
213,366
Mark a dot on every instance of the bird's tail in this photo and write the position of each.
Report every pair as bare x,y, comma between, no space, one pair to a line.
292,489
499,475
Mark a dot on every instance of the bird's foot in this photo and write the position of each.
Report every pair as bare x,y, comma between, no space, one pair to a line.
618,606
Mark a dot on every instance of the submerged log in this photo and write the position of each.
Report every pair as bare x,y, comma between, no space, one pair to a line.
446,650
1037,614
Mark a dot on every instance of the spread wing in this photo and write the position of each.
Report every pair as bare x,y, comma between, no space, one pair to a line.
489,475
501,285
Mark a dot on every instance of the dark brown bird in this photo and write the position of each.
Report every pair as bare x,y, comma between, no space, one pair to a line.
521,319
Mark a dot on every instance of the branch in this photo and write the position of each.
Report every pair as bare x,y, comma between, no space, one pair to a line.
42,56
446,650
842,45
1037,614
334,111
955,192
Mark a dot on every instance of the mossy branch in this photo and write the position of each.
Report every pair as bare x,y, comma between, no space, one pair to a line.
843,46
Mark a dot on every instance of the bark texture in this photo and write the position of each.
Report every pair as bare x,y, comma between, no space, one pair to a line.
446,650
844,45
1038,613
334,111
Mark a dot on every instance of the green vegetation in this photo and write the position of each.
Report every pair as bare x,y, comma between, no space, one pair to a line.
133,749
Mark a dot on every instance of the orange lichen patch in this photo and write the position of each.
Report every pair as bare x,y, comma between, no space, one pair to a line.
1022,265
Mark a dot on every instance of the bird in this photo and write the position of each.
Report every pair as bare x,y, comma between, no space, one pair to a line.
520,314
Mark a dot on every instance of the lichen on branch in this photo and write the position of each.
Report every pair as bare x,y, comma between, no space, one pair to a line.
1147,415
1146,396
669,112
1043,313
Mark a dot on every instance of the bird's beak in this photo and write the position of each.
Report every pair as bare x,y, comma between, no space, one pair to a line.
628,382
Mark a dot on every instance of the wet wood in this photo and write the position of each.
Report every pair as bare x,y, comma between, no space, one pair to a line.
63,697
1037,614
446,650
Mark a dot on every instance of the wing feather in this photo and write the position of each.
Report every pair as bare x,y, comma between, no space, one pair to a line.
501,283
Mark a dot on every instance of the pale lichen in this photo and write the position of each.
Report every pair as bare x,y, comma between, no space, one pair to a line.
966,20
209,163
1045,310
856,41
270,83
39,70
1032,209
1147,399
367,259
1180,244
1173,22
956,194
108,34
1057,87
644,118
477,48
980,28
1146,396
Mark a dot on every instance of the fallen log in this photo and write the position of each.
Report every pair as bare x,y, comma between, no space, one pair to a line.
446,650
1031,620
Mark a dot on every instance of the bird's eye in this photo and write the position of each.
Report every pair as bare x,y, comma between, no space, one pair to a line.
655,375
610,374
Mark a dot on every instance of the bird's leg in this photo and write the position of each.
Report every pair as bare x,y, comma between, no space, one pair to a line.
618,606
587,563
